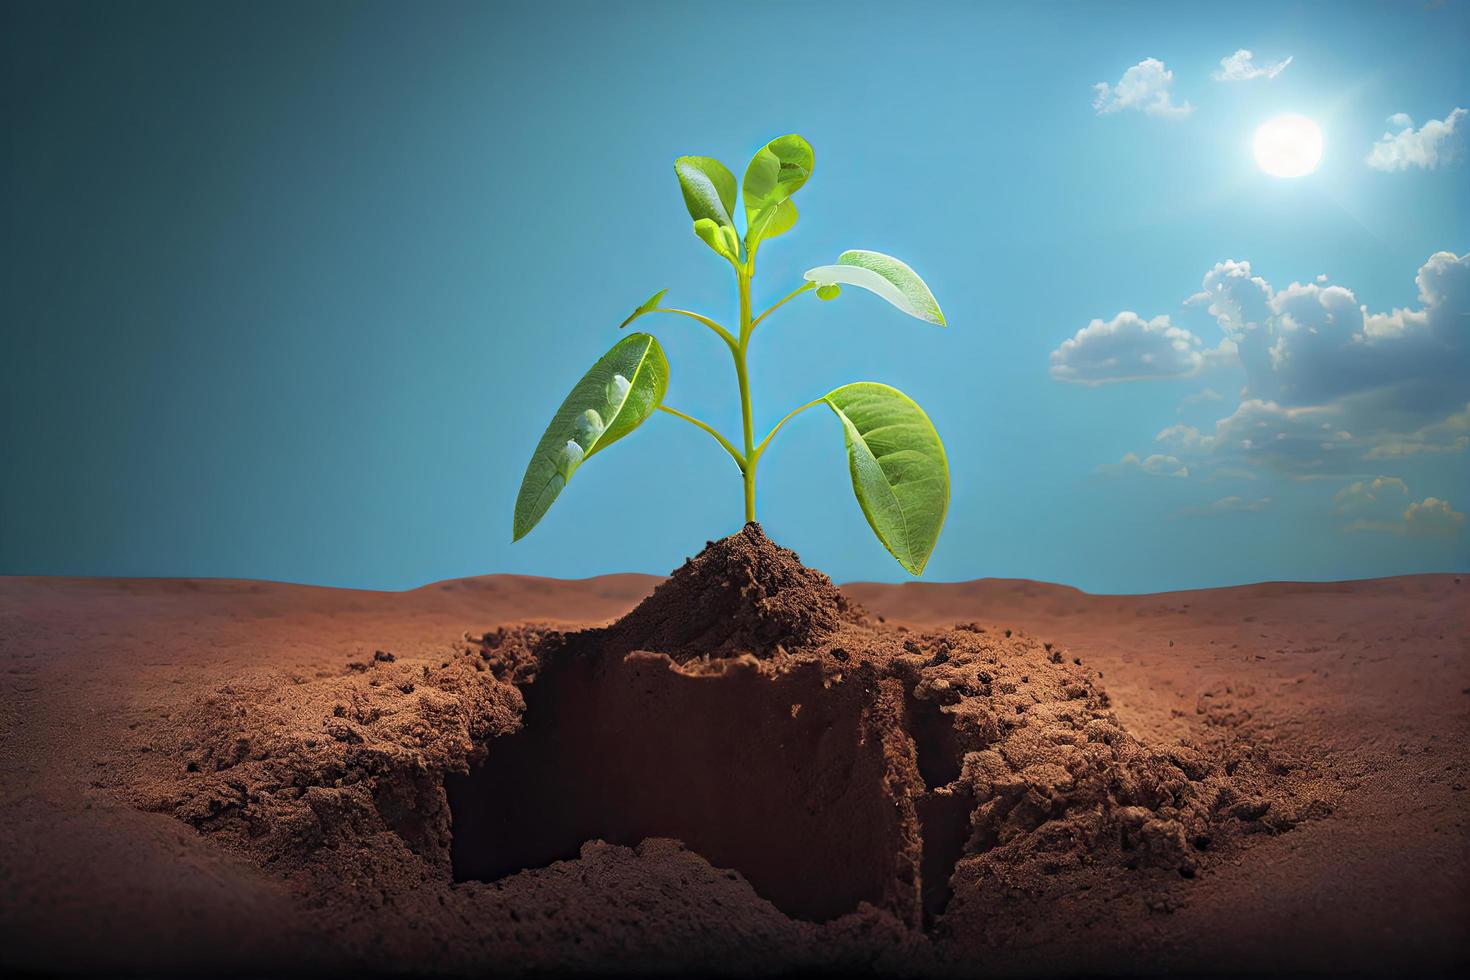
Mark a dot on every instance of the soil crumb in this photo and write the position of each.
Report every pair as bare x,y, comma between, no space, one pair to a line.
745,772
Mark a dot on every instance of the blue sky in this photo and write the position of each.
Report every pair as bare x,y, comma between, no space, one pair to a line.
290,293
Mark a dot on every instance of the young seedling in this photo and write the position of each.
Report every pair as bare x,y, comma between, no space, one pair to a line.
898,467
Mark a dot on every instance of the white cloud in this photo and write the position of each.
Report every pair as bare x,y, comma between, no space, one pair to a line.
1159,464
1304,441
1437,142
1432,516
1241,67
1184,439
1325,346
1379,506
1127,348
1329,386
1366,495
1229,505
1144,87
1239,301
1449,436
1376,506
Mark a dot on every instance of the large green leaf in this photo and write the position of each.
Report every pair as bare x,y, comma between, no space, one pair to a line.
777,171
884,275
899,472
621,390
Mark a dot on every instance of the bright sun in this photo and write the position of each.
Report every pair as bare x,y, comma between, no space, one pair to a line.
1288,146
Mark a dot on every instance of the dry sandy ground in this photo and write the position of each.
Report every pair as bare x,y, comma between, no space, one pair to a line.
1370,681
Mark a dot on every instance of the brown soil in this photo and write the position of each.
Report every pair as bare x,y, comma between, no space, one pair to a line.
747,772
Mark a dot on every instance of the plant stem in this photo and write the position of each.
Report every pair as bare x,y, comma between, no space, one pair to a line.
742,374
734,453
759,450
784,300
723,333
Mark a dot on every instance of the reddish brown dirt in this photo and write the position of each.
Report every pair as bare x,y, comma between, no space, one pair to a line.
748,772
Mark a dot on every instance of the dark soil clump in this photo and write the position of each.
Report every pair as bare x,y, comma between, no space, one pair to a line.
740,595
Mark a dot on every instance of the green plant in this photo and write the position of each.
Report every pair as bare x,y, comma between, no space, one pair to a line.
899,472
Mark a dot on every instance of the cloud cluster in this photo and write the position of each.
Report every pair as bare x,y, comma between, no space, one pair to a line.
1367,495
1127,348
1241,67
1379,505
1437,142
1452,435
1144,87
1148,86
1432,516
1329,386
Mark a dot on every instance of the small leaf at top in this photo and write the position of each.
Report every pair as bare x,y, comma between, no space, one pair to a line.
774,220
884,275
777,171
647,306
613,398
709,189
899,472
719,237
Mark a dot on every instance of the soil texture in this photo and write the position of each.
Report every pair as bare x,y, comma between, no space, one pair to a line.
748,771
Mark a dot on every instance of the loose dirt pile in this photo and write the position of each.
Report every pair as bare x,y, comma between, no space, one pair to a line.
539,800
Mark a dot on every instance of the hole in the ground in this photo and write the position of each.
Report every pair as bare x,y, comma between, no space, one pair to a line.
945,819
935,744
944,816
622,749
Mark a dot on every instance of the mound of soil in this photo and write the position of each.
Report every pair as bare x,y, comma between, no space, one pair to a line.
869,792
742,595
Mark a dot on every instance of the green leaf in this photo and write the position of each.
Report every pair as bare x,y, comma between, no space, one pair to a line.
829,291
709,194
777,171
621,390
719,237
709,189
772,221
647,306
884,275
899,472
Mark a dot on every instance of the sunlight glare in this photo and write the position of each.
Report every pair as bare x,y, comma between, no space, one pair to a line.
1288,146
